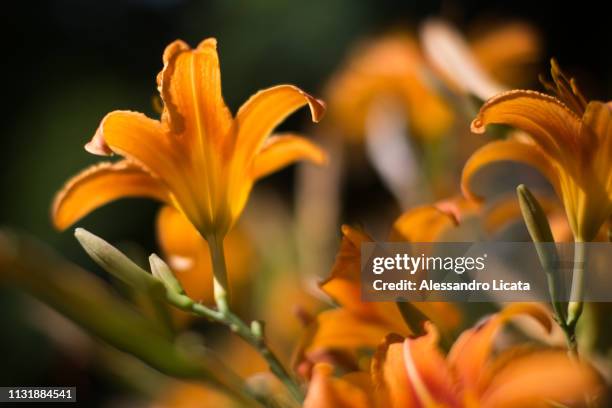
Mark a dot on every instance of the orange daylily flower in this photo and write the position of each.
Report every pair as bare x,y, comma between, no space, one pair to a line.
412,372
391,67
569,141
358,325
196,158
399,68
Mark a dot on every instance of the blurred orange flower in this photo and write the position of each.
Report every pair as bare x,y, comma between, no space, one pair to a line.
197,158
400,68
569,141
357,325
391,67
412,372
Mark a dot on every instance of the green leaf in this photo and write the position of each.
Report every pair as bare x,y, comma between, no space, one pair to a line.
87,301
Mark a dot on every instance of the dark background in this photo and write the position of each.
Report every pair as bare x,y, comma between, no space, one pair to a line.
66,63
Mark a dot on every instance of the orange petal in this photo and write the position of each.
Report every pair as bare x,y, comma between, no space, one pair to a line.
507,150
325,391
282,150
137,137
188,255
473,348
413,373
540,379
344,285
551,124
190,86
422,224
597,120
99,185
148,143
508,51
341,330
391,382
265,110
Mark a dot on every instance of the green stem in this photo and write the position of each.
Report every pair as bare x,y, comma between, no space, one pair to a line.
574,309
225,316
220,288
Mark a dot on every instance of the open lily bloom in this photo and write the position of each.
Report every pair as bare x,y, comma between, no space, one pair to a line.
412,372
197,158
569,141
357,325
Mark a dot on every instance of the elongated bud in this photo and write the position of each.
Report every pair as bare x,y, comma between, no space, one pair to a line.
175,294
117,264
534,216
162,271
539,230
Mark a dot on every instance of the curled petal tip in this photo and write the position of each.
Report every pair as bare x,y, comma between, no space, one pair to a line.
319,112
477,126
317,107
97,145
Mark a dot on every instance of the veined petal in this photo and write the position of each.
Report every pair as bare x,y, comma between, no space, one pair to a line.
190,86
430,377
597,120
413,372
550,123
265,110
282,150
540,378
473,348
391,382
147,142
325,391
507,150
136,137
99,185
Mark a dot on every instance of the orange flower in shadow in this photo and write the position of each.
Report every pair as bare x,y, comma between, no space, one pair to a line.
197,159
412,372
357,325
569,141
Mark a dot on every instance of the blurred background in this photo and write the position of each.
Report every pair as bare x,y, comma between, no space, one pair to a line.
67,63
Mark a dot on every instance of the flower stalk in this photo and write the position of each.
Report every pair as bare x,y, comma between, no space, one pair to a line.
253,334
574,309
